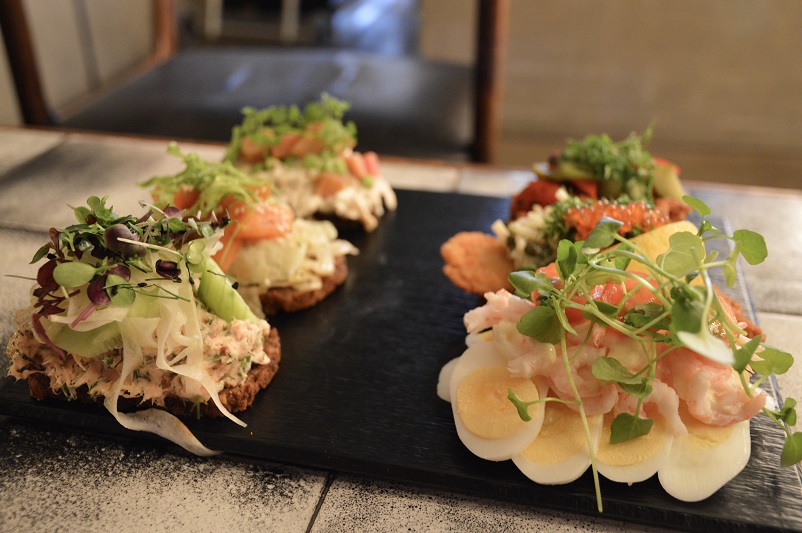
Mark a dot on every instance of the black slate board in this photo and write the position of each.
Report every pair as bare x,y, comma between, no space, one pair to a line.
356,391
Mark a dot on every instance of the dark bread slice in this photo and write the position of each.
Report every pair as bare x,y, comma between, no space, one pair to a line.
343,225
288,300
234,399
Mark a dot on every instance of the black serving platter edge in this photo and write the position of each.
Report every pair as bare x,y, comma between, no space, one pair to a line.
356,391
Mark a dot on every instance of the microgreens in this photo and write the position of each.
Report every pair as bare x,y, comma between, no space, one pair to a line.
212,182
684,311
96,255
267,127
623,168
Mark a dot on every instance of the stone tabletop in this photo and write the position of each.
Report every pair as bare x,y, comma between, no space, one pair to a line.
54,480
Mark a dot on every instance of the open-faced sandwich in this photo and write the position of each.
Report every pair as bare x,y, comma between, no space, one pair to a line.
282,263
134,313
619,357
310,157
588,180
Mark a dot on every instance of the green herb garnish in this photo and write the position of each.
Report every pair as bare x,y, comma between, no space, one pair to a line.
622,168
211,182
322,121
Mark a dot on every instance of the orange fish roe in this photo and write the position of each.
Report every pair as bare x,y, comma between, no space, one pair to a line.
635,215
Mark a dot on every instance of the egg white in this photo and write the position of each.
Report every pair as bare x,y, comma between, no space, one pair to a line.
634,460
481,358
704,460
559,454
444,380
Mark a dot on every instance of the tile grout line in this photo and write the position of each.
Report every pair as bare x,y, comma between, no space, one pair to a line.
329,480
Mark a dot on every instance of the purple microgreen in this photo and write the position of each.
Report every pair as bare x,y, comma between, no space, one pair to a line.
167,269
96,291
86,313
121,271
44,276
117,238
36,320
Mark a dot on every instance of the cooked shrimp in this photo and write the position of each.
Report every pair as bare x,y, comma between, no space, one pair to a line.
662,401
598,397
501,305
713,393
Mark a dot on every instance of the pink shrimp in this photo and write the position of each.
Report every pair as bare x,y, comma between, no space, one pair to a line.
713,393
501,305
598,397
662,401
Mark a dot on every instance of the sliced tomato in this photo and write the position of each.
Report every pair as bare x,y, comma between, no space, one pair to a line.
328,184
225,257
306,145
251,152
372,163
589,188
611,293
186,197
284,147
357,165
264,191
265,220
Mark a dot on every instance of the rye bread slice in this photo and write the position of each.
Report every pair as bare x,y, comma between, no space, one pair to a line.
288,300
234,399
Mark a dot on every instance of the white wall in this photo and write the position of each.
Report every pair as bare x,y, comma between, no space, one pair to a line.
81,45
716,76
710,71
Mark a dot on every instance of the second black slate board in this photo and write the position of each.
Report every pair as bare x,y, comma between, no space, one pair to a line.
356,391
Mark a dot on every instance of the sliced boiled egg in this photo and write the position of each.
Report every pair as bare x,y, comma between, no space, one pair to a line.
559,454
487,423
444,380
634,460
705,459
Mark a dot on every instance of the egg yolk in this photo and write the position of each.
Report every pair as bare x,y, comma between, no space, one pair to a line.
703,435
483,405
561,436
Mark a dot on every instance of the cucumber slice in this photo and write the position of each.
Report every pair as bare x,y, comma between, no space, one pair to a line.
567,170
92,343
220,297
